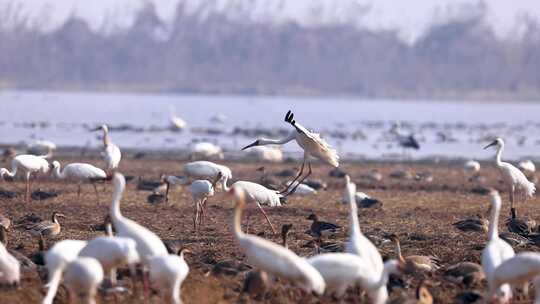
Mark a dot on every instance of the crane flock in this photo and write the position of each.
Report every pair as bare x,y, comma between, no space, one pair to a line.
85,266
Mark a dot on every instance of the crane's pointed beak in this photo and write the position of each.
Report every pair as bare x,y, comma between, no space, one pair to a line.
95,129
491,144
256,143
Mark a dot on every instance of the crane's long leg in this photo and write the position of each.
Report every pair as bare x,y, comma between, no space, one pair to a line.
97,193
300,181
512,209
27,197
295,179
79,192
203,212
196,215
267,219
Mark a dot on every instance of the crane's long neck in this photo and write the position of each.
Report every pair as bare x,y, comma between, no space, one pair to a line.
237,219
353,214
106,138
398,251
267,141
58,172
224,180
493,232
53,284
498,160
115,205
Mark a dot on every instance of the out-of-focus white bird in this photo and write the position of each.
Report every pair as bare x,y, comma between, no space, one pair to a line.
80,172
512,176
177,123
82,278
272,258
10,272
56,260
206,150
148,243
312,144
341,270
471,166
200,191
265,154
527,166
41,147
112,252
167,273
30,164
206,170
496,250
515,271
358,243
111,153
258,195
302,189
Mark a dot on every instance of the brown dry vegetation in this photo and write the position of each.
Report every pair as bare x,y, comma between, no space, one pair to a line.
420,213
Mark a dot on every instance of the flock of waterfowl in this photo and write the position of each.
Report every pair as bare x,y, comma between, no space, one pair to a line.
85,267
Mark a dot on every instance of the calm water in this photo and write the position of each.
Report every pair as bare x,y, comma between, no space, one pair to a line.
356,127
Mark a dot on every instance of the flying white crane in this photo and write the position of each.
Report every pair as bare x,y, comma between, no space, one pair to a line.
496,250
272,258
512,176
80,172
312,144
112,252
30,164
148,243
515,271
342,270
167,273
56,260
10,272
82,278
358,243
256,194
111,153
206,150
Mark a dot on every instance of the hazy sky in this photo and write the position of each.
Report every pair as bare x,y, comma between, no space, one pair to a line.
410,17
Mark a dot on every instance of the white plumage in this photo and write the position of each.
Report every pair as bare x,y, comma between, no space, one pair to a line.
206,150
167,273
56,260
275,259
266,154
517,270
148,243
471,166
10,272
80,172
111,153
29,164
358,243
112,252
82,278
177,123
41,147
200,191
527,166
496,250
312,144
302,189
206,170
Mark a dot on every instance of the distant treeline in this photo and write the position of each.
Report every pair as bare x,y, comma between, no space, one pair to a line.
457,59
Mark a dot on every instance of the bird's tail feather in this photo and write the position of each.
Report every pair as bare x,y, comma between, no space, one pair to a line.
530,189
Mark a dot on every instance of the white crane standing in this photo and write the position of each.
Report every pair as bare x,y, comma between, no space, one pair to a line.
358,243
30,164
496,250
515,271
312,144
111,153
272,258
206,170
82,278
512,176
80,172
